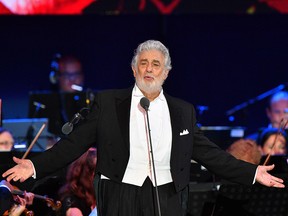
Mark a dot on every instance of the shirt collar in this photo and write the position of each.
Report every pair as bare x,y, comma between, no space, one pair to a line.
137,93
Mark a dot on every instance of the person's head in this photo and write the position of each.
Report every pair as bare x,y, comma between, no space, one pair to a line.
80,176
278,108
246,150
270,136
6,140
70,73
151,64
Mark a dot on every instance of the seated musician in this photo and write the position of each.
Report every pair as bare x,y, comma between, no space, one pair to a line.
13,205
6,140
272,141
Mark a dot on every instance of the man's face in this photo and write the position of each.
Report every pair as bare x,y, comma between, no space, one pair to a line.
6,141
70,74
150,73
278,111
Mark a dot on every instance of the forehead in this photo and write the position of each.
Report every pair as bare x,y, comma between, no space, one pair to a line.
6,136
70,66
281,104
151,55
280,138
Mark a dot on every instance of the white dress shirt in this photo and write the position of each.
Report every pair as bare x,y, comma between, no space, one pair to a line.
140,160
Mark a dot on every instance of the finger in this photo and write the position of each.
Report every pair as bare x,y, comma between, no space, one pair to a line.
270,167
7,173
277,179
16,160
278,185
9,178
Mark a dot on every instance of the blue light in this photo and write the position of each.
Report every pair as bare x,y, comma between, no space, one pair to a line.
231,118
76,97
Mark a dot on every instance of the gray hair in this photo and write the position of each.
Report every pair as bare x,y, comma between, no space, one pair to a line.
150,45
281,95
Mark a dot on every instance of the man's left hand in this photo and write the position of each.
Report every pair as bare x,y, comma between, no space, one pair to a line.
264,178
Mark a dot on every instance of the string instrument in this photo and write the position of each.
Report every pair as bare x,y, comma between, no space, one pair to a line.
50,202
26,213
281,128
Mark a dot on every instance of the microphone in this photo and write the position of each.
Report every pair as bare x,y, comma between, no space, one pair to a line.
68,126
145,103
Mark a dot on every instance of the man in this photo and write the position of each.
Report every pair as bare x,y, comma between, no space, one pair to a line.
6,140
70,73
277,114
124,160
278,109
60,106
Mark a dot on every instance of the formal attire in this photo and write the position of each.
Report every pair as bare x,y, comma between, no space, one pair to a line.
6,199
108,125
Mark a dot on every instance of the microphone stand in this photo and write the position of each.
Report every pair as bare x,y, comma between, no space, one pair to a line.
153,164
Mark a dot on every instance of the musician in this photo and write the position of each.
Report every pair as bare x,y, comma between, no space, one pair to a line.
125,181
277,109
77,194
272,141
70,72
6,140
16,205
277,114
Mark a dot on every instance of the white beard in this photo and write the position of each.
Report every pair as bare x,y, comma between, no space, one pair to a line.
151,87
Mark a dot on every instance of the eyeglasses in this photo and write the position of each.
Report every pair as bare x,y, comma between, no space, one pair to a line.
278,111
6,143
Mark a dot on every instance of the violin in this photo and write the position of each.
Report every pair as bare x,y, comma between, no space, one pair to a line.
50,202
26,213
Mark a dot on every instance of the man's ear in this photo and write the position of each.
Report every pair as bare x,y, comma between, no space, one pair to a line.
166,72
134,72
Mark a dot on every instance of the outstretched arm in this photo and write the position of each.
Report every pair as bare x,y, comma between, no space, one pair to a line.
264,178
20,172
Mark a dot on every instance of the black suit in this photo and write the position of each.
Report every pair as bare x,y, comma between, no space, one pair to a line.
6,200
108,126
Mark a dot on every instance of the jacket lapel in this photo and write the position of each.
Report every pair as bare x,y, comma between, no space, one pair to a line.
176,123
123,106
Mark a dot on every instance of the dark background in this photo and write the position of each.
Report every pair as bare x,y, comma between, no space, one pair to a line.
219,60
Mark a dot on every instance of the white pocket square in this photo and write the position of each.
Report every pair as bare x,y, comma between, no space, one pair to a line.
185,132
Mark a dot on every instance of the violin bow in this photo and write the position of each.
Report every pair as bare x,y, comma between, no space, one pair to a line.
34,141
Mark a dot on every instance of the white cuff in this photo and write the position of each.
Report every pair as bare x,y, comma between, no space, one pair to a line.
34,171
254,180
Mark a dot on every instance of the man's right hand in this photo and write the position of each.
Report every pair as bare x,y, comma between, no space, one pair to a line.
20,172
